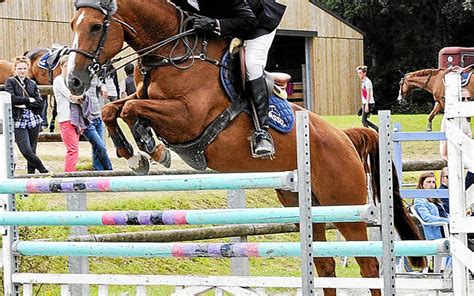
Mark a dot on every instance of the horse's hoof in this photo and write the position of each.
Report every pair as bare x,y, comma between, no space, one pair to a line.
139,163
165,158
429,128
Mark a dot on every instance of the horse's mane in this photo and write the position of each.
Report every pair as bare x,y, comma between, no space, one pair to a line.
35,53
425,72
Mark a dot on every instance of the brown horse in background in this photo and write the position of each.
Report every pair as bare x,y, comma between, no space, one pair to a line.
43,77
181,99
6,70
432,81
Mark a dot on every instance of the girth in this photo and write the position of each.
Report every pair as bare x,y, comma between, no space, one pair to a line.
193,152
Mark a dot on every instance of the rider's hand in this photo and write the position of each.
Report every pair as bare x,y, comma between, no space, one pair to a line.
203,24
366,108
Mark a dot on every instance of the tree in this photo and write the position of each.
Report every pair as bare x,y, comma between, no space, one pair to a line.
405,35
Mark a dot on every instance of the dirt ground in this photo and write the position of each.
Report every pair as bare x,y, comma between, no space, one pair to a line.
53,155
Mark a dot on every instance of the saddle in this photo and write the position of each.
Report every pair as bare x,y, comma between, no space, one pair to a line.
276,81
50,60
280,115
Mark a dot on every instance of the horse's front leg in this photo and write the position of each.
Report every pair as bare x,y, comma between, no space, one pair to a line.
434,112
139,116
110,113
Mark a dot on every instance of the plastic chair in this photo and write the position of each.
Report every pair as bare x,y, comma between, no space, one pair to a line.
437,260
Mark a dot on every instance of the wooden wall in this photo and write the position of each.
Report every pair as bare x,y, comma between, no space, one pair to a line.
336,85
335,53
28,24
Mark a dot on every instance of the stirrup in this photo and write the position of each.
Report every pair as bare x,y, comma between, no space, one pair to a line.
259,136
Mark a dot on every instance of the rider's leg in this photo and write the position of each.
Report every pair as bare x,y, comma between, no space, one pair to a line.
257,91
256,54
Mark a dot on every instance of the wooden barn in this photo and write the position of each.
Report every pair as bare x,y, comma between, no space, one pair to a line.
28,24
317,48
321,52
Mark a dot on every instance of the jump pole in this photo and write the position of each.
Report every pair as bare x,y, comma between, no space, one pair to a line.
321,214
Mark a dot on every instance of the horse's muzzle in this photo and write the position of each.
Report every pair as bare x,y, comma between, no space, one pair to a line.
75,85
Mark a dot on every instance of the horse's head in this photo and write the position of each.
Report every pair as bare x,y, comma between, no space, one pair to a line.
98,37
405,88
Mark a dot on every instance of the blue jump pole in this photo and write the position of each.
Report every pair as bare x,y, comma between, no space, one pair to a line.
234,181
366,213
284,249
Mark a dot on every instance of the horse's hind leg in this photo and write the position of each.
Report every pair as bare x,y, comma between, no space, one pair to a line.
369,266
325,267
53,114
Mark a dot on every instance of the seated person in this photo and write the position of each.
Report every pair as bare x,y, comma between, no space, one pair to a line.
430,209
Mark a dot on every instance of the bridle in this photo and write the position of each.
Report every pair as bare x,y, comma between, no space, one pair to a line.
108,9
94,67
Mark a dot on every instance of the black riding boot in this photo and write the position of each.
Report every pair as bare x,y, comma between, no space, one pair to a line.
262,141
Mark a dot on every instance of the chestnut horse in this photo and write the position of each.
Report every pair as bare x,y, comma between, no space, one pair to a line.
181,96
43,76
6,70
432,80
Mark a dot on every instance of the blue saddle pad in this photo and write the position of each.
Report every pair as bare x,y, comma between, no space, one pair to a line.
280,113
465,78
44,63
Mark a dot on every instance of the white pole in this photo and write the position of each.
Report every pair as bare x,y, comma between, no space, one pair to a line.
10,233
457,194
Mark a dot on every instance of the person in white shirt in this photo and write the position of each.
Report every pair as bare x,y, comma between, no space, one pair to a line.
111,91
367,97
68,131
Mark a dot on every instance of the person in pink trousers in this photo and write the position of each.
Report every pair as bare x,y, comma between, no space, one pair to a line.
68,131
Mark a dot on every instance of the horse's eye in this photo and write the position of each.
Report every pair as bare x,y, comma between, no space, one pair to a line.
96,28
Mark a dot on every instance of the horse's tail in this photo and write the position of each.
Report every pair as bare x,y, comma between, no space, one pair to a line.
366,142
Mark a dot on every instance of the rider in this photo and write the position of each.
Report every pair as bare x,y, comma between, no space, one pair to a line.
254,21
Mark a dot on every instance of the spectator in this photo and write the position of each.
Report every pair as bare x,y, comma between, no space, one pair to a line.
444,181
367,97
95,131
127,86
27,105
69,132
112,90
443,145
429,208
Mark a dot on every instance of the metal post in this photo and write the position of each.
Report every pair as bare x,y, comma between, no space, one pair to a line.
386,187
304,195
457,194
397,153
8,202
78,202
238,266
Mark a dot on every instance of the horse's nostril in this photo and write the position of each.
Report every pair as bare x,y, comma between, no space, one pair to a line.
76,82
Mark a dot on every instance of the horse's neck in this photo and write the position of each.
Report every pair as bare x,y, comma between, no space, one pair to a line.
158,21
428,82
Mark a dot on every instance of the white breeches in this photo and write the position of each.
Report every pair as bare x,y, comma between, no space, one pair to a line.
256,55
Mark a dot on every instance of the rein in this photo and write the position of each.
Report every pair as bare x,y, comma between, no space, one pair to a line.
145,67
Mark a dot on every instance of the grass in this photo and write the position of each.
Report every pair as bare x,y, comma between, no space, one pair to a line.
188,200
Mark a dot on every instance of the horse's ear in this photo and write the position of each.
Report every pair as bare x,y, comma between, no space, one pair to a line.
401,73
109,5
106,6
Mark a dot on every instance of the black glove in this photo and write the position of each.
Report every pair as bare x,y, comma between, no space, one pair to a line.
35,105
203,24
